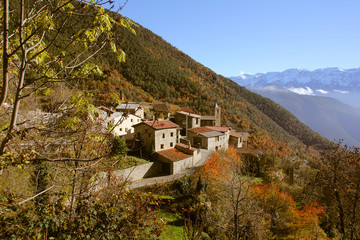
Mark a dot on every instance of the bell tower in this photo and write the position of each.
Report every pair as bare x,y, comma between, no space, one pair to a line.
217,115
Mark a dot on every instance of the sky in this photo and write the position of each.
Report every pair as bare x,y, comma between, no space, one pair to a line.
256,36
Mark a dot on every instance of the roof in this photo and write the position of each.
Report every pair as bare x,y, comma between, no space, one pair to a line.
200,130
188,114
160,124
236,134
186,109
120,114
211,118
172,155
212,134
206,132
185,148
219,129
128,106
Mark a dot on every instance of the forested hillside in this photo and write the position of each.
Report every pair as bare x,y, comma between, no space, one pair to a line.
155,70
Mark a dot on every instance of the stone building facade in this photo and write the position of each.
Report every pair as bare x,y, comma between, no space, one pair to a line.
187,120
157,135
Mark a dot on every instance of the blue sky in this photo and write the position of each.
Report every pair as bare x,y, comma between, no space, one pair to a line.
252,36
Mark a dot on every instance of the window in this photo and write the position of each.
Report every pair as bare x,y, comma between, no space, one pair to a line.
138,120
216,139
121,129
171,134
163,135
131,120
162,146
171,144
197,121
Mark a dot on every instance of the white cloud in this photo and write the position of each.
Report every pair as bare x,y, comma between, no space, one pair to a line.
322,91
302,91
341,91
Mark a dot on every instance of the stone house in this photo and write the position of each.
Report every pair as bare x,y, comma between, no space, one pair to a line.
207,121
239,139
178,158
214,120
187,120
123,124
204,137
224,129
131,108
157,135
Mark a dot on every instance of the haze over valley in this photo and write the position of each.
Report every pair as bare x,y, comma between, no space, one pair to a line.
327,99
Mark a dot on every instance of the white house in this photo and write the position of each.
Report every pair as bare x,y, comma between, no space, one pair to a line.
123,124
204,137
131,108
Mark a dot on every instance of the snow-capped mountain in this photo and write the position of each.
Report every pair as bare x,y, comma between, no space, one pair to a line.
309,95
338,83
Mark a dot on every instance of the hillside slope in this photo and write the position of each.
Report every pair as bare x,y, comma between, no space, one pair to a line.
330,117
155,70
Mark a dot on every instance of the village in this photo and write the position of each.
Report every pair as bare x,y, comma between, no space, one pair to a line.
173,142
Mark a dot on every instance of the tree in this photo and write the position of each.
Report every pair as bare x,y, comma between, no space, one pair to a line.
283,218
338,184
49,46
48,42
233,209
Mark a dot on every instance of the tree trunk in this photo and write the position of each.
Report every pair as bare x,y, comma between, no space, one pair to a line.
20,85
5,57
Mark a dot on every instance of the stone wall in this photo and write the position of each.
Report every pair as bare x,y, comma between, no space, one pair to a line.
138,172
151,169
182,165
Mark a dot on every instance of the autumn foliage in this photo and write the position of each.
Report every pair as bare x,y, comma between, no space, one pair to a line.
220,165
283,217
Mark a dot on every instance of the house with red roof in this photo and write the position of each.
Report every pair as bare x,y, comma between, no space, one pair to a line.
179,158
208,138
157,135
239,139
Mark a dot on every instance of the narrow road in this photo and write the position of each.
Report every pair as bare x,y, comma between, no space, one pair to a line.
205,154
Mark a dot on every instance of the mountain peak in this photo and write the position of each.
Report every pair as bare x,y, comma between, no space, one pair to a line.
332,81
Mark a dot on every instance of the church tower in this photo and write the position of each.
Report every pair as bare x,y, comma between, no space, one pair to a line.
217,115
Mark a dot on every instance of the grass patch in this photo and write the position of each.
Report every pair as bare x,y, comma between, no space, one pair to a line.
175,226
130,161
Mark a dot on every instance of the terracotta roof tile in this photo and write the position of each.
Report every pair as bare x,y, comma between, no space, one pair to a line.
200,130
219,129
162,124
236,134
189,114
173,155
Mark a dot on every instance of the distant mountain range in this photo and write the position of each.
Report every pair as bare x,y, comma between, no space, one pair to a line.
327,100
337,83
